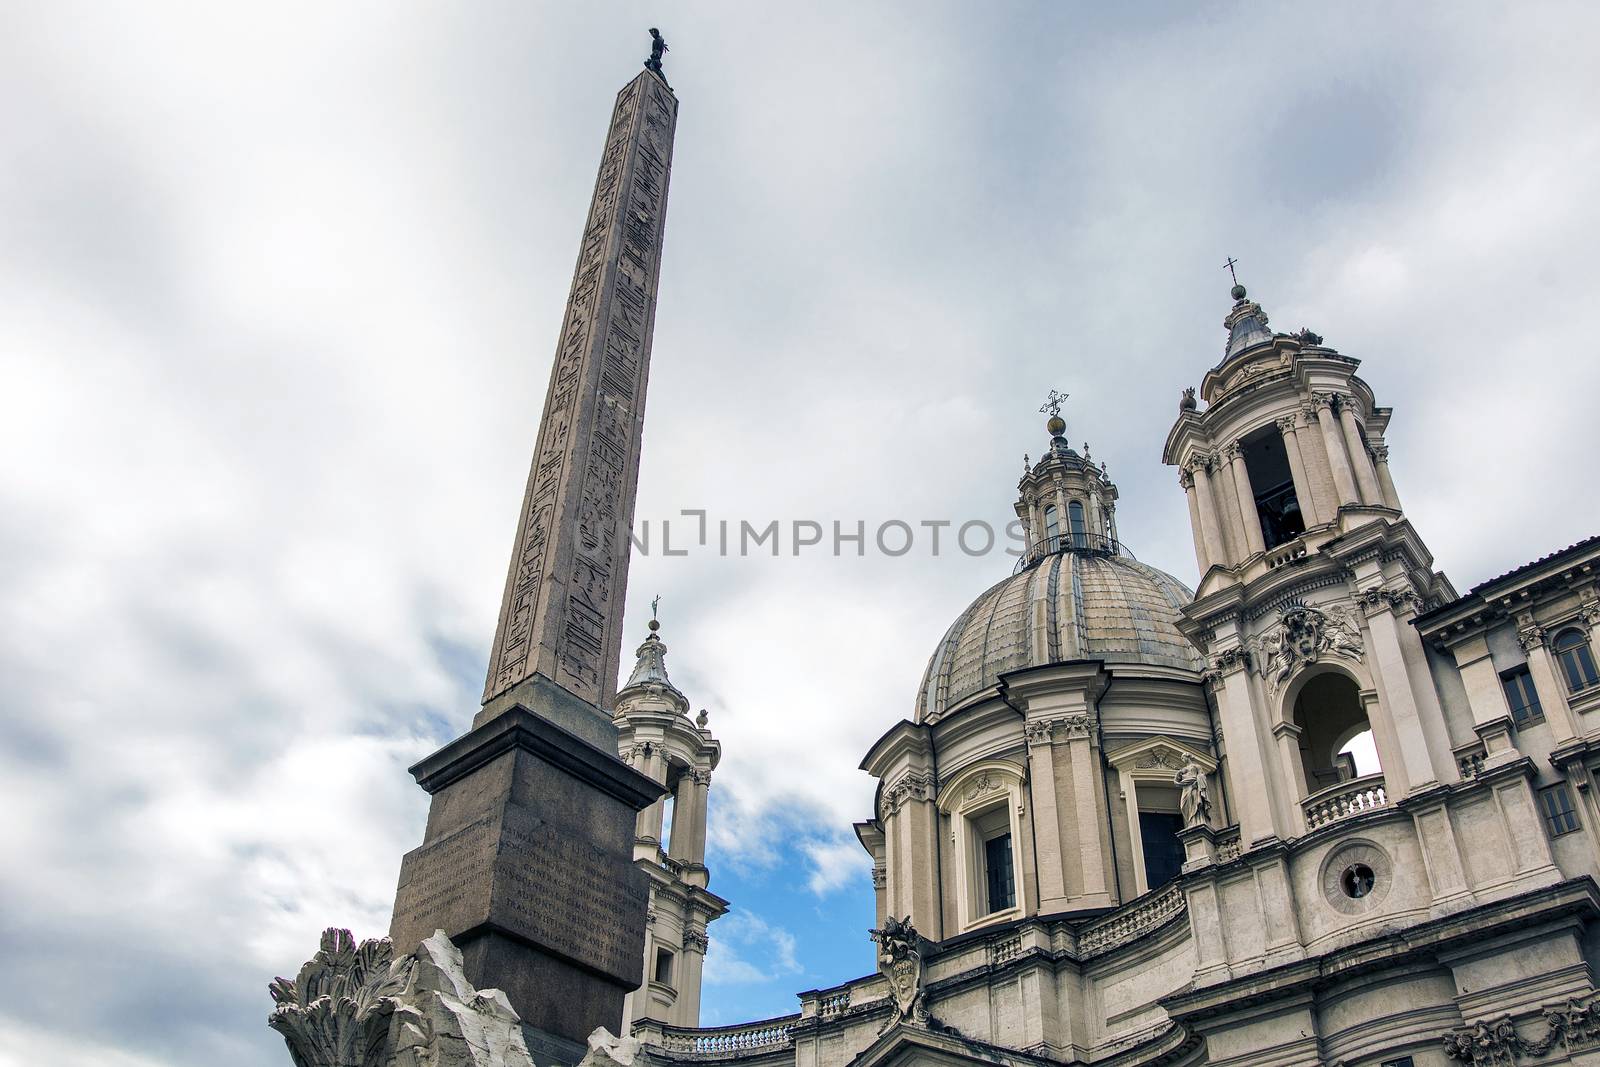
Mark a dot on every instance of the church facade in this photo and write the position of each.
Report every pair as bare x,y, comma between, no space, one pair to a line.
1324,809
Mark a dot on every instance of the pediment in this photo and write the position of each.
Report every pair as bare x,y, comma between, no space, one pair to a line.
1158,756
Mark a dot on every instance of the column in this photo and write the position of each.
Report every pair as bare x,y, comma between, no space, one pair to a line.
1304,494
1063,521
1547,681
1380,459
1223,489
1216,549
1111,519
683,818
1097,529
1254,541
1046,815
650,819
1366,479
1344,483
702,797
1035,524
1186,479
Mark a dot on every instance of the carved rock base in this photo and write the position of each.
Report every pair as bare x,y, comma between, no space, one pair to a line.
361,1007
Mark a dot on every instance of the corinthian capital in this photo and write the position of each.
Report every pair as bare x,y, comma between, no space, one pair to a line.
1321,400
1380,453
1531,637
1287,424
1231,451
1231,659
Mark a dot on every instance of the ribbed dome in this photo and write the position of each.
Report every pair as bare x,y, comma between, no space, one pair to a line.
1070,606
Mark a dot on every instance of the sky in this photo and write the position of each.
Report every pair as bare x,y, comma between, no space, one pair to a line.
279,290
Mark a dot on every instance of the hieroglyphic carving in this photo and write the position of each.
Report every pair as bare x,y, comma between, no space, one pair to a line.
560,616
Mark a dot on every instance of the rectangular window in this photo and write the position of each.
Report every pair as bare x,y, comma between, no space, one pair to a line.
1163,855
1403,1061
1556,802
998,873
664,966
1524,702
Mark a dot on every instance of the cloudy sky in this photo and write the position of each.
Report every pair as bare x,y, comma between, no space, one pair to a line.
279,288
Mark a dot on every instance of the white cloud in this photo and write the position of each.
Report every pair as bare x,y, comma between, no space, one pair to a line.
835,864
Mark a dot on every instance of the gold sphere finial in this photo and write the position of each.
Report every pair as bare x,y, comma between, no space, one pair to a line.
1057,425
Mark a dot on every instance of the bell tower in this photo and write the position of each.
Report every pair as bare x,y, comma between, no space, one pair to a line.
1310,578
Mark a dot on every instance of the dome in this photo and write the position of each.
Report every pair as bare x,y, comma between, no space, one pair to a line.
1070,606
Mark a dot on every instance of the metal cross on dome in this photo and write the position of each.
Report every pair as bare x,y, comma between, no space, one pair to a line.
1230,265
1052,403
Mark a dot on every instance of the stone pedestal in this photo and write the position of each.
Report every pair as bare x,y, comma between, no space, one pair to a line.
527,865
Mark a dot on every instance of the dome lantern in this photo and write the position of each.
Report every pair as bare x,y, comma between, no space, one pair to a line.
1065,502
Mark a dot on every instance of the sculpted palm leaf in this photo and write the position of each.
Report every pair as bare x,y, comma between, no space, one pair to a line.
336,1011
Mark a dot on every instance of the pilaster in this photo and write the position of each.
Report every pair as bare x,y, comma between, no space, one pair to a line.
1392,675
1247,747
1486,698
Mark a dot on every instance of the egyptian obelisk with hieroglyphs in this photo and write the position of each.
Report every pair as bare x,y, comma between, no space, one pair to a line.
526,859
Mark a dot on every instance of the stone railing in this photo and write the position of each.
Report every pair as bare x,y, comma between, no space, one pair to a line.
833,1002
1135,920
1343,800
722,1042
1287,552
1005,950
668,864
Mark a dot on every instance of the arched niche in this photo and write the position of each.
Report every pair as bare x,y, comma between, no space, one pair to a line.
1326,705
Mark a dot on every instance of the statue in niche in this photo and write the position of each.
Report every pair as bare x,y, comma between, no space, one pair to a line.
1195,798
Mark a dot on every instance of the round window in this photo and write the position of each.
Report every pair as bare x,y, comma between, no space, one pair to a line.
1357,880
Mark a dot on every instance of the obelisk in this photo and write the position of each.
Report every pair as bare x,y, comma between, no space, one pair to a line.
526,861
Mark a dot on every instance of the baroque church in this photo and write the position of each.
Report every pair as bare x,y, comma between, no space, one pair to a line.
1323,809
